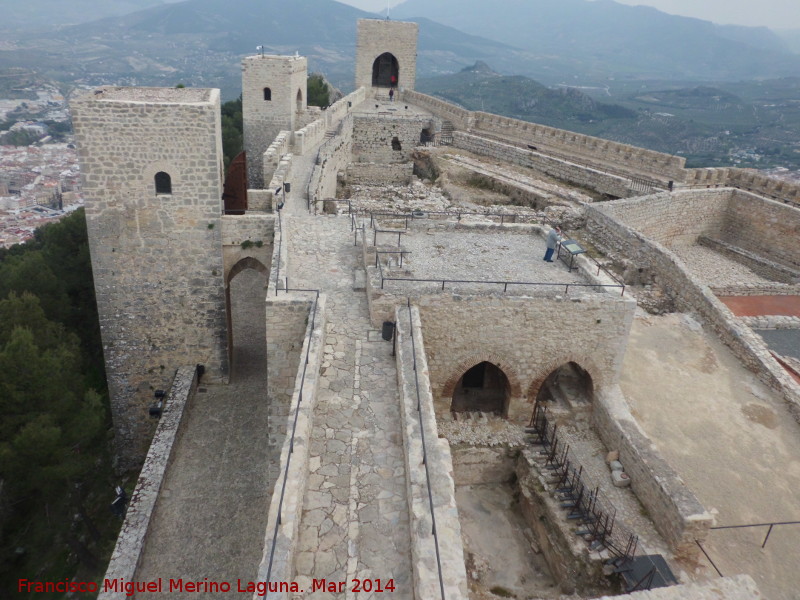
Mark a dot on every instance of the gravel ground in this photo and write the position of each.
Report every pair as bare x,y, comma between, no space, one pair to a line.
715,269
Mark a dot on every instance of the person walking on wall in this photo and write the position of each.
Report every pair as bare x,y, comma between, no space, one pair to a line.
553,238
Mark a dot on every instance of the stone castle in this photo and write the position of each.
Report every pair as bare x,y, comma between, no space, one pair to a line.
344,365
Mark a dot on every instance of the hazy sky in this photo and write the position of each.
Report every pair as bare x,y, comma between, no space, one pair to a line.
783,14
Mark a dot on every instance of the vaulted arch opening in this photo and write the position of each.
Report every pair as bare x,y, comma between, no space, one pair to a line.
482,388
163,183
385,71
299,100
245,290
567,388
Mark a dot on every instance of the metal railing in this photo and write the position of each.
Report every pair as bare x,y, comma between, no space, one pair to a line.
581,497
424,449
294,425
280,246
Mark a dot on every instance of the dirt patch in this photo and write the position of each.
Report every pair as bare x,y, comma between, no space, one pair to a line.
761,415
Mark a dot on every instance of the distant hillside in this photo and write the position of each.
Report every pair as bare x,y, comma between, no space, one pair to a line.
37,14
480,88
708,125
201,42
603,39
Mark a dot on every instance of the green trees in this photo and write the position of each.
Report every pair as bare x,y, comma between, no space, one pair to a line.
55,469
318,92
232,130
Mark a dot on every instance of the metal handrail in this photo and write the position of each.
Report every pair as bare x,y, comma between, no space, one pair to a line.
294,427
424,450
280,246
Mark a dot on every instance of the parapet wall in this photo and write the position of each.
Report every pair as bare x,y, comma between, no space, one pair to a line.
565,170
344,106
549,140
133,535
334,156
387,138
276,151
749,180
418,418
379,174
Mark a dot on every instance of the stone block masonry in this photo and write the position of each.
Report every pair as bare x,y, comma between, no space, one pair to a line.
375,37
151,162
387,138
380,174
273,93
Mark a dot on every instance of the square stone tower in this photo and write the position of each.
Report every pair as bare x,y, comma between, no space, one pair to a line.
385,50
274,91
151,162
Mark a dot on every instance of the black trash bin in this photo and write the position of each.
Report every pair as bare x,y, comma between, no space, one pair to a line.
388,330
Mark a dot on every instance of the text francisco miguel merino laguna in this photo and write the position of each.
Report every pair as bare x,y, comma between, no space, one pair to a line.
129,588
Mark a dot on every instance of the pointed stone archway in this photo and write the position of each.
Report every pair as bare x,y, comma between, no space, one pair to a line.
385,71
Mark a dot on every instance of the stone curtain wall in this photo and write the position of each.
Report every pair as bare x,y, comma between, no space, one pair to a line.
344,106
286,518
133,536
440,467
265,119
273,155
748,180
548,140
528,338
765,227
373,135
334,156
676,219
380,174
675,511
555,167
240,228
156,258
689,293
378,36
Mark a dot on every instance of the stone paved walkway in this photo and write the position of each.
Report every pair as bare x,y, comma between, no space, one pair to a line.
212,510
355,521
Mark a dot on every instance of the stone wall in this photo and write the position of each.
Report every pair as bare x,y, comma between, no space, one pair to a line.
674,509
282,175
276,151
310,135
690,294
287,319
676,219
412,374
475,465
528,338
334,156
568,145
291,473
564,170
387,138
133,535
756,263
768,228
236,229
344,106
380,174
376,36
285,77
739,587
156,257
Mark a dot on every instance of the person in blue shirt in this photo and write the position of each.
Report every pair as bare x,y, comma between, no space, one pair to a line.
553,238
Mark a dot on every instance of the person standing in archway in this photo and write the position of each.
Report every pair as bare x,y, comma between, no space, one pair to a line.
394,80
553,238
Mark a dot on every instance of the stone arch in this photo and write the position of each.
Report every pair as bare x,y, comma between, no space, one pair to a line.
515,390
299,100
148,181
248,262
267,94
385,71
584,362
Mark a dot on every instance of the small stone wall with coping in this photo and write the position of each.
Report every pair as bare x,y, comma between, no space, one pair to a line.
334,156
259,201
290,486
310,135
344,106
410,369
758,289
281,175
674,509
133,535
758,264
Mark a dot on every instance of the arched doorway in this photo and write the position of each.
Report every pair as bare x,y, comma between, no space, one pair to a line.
569,388
385,71
246,293
482,388
299,100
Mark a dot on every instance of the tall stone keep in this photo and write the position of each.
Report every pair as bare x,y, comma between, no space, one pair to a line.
151,162
386,50
273,93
